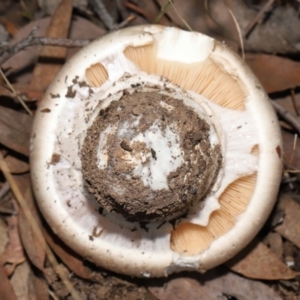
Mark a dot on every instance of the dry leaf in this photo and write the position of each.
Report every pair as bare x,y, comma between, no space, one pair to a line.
7,291
49,7
216,23
257,261
51,58
35,251
149,9
22,282
58,28
291,151
290,105
181,289
6,204
290,227
13,254
191,12
9,25
15,130
275,73
24,92
239,288
72,260
80,29
291,154
3,236
41,288
25,58
274,241
215,284
15,165
274,32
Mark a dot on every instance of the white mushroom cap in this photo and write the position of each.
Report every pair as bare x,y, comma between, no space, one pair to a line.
210,79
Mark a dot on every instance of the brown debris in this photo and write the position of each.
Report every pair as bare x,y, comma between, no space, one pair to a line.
51,57
257,261
15,130
290,227
72,260
7,291
26,93
275,73
13,254
186,184
215,284
17,165
35,251
182,289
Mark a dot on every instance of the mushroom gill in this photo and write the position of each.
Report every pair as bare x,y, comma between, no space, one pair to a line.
206,78
192,239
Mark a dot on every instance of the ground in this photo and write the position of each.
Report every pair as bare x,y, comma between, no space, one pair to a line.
264,32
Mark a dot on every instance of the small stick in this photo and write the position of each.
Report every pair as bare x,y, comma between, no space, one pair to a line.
52,295
286,116
163,11
294,149
296,107
180,17
102,13
258,17
4,189
15,93
125,22
138,10
238,30
32,40
122,9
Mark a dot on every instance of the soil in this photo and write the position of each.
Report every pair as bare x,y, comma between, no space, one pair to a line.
119,187
272,51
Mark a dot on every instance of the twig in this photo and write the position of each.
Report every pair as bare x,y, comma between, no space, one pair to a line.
122,9
15,93
26,93
296,107
52,295
32,40
4,189
125,22
138,10
292,171
293,153
35,227
258,17
287,116
227,33
163,10
238,30
102,13
180,17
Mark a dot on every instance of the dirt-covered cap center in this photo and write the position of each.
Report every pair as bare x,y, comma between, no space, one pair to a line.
148,156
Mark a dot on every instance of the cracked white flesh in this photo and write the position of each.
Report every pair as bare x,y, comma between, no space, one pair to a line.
149,251
153,172
102,155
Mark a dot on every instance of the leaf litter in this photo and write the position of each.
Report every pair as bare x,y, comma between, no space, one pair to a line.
267,269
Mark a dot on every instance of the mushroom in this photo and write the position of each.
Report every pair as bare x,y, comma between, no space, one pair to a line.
156,150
